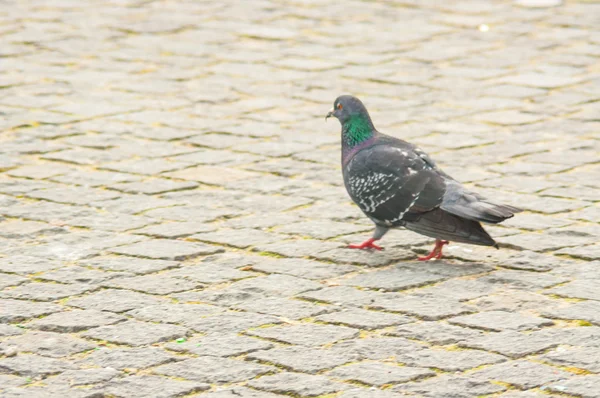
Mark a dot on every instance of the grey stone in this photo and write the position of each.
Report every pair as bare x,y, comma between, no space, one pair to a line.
164,249
206,272
364,319
129,264
341,295
298,248
230,322
25,265
173,313
7,280
512,343
378,348
136,333
153,284
278,285
85,376
297,384
584,310
75,321
115,300
78,275
175,229
153,186
241,238
501,320
21,229
451,361
10,330
159,387
214,370
18,310
522,374
303,359
371,393
427,308
47,344
239,392
226,345
7,381
78,196
321,229
435,332
290,309
301,268
583,289
45,291
450,386
128,358
33,365
582,386
306,334
587,358
378,374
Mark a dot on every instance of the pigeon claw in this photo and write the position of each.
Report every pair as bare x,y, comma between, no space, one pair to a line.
368,244
436,252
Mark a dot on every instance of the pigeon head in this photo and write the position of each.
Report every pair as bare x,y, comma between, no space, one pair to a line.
347,107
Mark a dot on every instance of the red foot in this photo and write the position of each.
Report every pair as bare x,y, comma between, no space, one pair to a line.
436,252
367,245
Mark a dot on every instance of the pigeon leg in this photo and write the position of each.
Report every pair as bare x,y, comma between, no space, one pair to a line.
368,244
436,252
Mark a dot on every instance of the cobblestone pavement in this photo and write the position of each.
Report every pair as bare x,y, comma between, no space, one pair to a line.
173,219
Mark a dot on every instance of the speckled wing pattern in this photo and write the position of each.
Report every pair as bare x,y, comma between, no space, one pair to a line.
396,184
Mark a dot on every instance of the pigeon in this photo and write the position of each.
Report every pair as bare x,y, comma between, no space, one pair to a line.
397,185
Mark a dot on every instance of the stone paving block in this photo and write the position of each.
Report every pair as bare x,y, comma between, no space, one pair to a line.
512,344
175,230
10,330
276,285
25,265
153,187
173,313
378,374
75,321
241,238
501,320
153,284
522,374
225,345
378,348
364,319
305,334
85,377
207,272
302,268
136,333
115,300
321,229
450,361
581,386
587,358
230,322
47,344
19,310
240,392
582,289
128,264
77,196
287,308
298,384
11,280
303,359
437,333
165,249
214,370
31,229
128,358
159,387
584,310
33,365
450,386
79,275
426,308
342,295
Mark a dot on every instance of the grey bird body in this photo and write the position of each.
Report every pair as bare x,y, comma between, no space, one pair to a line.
397,185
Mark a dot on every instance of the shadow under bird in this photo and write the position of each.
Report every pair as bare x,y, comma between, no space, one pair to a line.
397,185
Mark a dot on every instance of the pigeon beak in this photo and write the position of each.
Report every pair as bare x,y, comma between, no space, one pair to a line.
329,114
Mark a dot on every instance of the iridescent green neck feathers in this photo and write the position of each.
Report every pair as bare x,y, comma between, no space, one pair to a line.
356,130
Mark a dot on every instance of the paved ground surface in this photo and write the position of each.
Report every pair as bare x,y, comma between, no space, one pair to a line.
174,220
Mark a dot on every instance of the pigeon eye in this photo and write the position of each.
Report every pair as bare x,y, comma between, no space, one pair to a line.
340,106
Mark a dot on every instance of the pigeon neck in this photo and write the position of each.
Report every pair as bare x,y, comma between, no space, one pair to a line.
356,130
